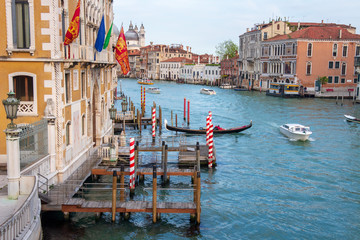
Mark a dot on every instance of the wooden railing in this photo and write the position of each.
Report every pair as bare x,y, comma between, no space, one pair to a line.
23,220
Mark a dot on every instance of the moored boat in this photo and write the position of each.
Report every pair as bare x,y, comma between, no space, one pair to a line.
203,131
350,118
145,81
295,131
226,86
207,91
283,90
153,90
241,89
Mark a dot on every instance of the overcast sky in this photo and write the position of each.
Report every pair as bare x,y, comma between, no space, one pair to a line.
203,24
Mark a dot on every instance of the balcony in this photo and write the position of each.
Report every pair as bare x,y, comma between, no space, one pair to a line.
81,53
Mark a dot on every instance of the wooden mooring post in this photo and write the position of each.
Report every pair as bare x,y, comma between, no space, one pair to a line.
160,119
122,184
198,155
172,122
166,178
198,196
154,194
113,206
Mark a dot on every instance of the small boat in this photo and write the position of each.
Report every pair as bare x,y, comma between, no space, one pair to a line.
226,86
296,131
203,131
145,82
153,90
241,89
351,119
207,91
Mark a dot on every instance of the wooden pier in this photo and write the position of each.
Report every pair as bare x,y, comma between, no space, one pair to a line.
126,205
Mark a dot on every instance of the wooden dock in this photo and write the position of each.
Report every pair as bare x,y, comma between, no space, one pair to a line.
126,205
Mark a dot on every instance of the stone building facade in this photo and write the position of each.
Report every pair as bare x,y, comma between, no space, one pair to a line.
74,83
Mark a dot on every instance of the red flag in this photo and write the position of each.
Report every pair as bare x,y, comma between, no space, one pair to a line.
121,53
73,30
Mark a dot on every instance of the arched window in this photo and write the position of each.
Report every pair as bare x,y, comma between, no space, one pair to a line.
343,68
335,46
83,125
308,68
309,50
67,133
287,80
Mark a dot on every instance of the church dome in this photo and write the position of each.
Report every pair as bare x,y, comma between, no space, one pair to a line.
131,35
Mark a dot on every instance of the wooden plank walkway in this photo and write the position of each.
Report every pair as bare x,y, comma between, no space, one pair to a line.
105,170
81,205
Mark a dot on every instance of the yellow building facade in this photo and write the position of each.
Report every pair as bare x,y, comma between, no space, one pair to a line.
74,83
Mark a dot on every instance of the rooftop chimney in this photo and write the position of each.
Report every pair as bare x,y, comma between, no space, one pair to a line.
340,33
247,29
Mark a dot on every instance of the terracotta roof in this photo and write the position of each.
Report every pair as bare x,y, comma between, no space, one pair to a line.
312,24
178,59
319,33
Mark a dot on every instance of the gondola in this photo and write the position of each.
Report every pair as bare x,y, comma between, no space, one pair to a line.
203,131
351,119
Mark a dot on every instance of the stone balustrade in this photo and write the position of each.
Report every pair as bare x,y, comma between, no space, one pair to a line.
25,222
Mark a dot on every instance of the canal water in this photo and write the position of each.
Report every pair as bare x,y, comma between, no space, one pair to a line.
265,186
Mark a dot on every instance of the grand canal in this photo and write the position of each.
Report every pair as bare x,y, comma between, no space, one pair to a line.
265,186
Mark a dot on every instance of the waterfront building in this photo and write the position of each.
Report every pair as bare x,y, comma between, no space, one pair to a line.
230,70
250,46
152,55
134,56
170,68
204,71
73,83
302,57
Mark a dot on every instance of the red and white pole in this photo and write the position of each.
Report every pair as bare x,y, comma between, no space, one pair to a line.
132,163
153,122
211,143
207,129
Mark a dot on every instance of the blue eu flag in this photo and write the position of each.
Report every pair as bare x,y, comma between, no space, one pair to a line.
99,43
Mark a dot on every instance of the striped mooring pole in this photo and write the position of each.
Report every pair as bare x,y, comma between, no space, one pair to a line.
207,129
132,164
141,102
210,142
153,122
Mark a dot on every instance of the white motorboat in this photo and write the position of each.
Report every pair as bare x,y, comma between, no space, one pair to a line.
153,90
226,86
207,91
296,131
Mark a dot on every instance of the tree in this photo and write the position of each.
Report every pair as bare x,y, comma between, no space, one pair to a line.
323,80
226,49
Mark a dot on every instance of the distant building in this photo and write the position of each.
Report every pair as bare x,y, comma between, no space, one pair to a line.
230,70
205,71
135,39
170,68
152,55
305,55
134,63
